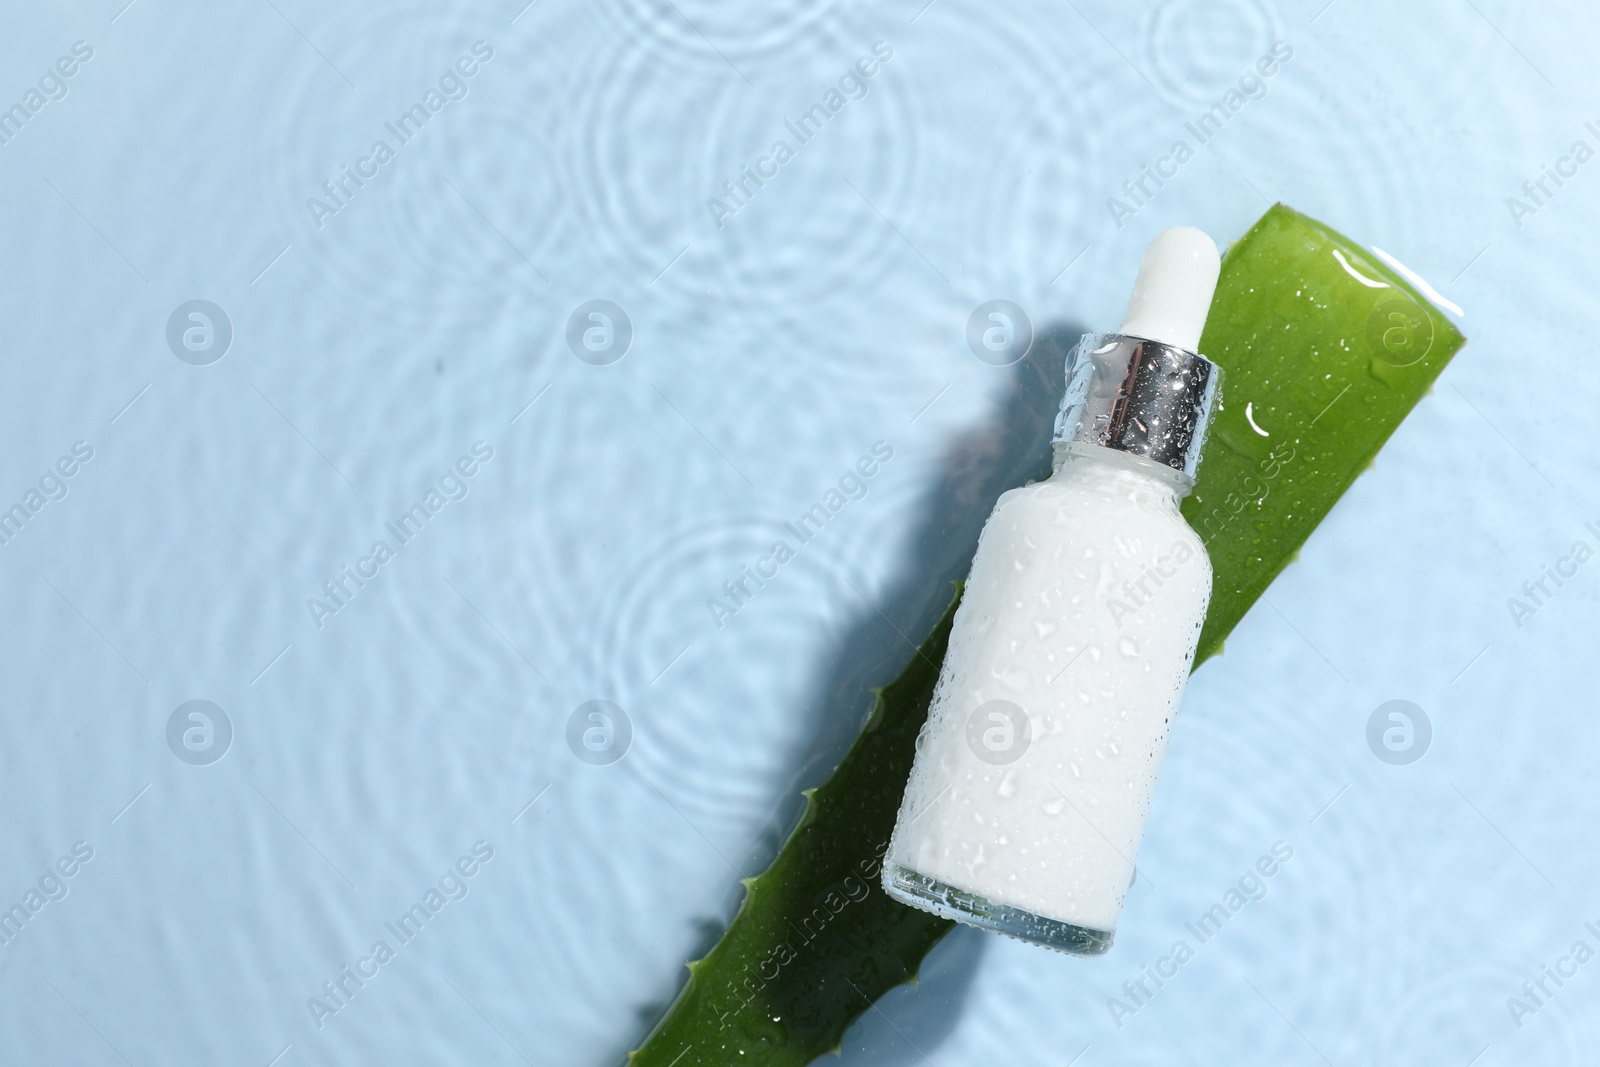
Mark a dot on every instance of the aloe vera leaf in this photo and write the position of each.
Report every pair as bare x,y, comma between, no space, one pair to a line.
1325,349
816,940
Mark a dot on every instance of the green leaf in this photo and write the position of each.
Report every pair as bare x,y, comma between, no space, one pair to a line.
1325,350
816,940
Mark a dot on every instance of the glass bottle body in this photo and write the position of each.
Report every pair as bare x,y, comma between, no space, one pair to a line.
1069,653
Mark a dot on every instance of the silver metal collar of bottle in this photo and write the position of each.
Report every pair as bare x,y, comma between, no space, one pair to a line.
1138,396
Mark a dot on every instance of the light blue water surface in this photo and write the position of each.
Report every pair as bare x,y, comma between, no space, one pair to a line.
380,338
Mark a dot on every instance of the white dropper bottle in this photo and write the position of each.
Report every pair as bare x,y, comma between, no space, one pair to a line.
1073,641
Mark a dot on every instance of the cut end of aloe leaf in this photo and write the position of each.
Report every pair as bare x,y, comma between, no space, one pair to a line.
1325,348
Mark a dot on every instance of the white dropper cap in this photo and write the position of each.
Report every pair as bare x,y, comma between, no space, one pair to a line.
1177,275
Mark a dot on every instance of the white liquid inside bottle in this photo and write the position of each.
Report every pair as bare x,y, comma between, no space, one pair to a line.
1073,641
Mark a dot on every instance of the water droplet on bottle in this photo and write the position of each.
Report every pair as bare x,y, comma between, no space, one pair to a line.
1129,647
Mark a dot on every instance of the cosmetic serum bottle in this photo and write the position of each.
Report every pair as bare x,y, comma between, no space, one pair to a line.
1073,641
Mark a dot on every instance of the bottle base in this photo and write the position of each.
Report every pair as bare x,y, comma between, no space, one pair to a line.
946,901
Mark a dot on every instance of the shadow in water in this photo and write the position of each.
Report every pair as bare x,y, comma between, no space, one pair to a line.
923,1014
1010,449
